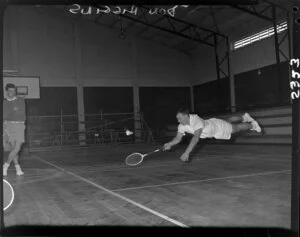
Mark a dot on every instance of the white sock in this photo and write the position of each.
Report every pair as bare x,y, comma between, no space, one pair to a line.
244,119
6,165
5,168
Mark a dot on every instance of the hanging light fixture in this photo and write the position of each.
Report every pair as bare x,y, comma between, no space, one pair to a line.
258,71
122,34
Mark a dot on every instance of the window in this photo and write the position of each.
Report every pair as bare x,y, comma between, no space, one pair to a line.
259,36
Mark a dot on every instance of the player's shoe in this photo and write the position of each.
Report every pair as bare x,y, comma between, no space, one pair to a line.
19,170
247,118
255,126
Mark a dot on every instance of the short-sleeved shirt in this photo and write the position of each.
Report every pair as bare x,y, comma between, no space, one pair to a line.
195,123
213,127
14,109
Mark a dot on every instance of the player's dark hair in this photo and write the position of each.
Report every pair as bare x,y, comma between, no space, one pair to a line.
184,111
9,85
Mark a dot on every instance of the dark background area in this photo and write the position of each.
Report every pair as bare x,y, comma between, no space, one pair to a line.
53,101
159,104
108,99
253,90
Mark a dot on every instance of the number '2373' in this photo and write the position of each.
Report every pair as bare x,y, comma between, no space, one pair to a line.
295,75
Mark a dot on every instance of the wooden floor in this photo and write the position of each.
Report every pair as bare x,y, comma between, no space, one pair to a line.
223,186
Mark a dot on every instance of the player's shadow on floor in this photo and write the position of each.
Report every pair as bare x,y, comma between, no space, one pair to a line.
204,142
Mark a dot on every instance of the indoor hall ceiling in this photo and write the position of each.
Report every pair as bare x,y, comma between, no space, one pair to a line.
187,26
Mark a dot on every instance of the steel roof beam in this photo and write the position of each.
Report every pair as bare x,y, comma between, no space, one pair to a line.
255,13
146,22
261,14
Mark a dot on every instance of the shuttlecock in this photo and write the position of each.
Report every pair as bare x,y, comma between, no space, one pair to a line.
128,132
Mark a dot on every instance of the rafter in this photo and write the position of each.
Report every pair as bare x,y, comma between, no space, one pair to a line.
97,18
146,28
214,18
263,14
167,30
253,12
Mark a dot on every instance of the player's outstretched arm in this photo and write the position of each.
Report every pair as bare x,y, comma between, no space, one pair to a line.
193,142
174,141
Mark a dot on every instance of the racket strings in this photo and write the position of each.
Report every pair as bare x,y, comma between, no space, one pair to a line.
134,159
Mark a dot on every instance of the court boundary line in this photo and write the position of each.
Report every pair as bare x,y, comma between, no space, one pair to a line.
175,222
126,167
202,180
38,180
115,167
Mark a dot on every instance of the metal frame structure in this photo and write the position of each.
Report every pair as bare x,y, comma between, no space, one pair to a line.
269,13
188,31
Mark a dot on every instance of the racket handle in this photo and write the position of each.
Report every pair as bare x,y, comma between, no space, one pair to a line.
159,149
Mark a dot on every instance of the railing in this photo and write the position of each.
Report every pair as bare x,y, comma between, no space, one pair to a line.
62,131
66,123
92,138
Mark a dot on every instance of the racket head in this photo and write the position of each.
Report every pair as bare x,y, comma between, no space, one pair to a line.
8,194
134,159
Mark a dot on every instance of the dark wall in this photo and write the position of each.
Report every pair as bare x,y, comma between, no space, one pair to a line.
253,90
159,104
212,97
267,88
108,99
52,101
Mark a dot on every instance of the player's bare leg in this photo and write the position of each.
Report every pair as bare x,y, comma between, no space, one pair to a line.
245,120
235,119
246,127
13,156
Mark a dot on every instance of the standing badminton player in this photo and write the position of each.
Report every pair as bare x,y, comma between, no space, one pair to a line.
14,116
211,128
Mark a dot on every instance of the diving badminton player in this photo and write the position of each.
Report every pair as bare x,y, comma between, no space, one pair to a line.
211,128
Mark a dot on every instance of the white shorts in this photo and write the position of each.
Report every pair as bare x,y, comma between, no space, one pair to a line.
14,131
217,128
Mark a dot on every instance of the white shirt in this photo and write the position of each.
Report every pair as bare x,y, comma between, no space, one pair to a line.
208,128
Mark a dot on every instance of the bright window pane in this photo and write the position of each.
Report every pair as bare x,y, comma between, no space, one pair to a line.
259,36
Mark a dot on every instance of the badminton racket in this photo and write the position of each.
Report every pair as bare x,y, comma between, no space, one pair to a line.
8,195
137,158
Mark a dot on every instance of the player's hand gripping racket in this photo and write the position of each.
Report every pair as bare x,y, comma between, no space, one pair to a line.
137,158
